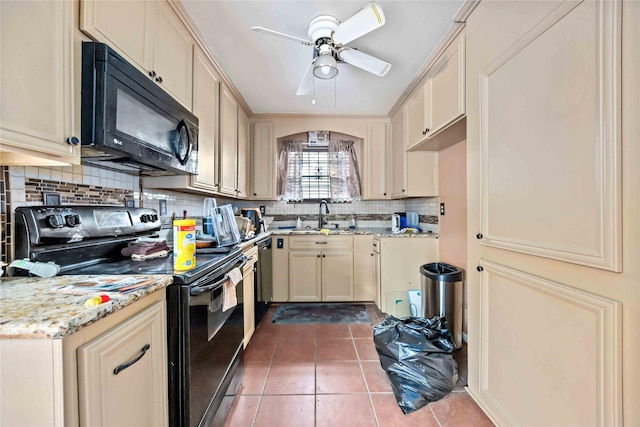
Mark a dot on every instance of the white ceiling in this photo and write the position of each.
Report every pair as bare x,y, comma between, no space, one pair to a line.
267,69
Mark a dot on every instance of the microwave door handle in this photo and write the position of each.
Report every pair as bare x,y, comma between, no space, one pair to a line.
183,160
197,290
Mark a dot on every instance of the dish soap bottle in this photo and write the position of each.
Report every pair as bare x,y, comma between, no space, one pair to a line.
352,222
299,223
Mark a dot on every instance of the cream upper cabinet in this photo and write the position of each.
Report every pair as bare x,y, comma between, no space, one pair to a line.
126,368
173,55
206,94
234,143
418,116
375,162
439,103
37,83
263,162
244,131
414,174
206,91
150,35
228,142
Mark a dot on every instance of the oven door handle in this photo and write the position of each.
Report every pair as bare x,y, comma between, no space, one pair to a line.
197,290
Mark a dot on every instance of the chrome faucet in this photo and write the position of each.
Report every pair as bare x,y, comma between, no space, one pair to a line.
326,207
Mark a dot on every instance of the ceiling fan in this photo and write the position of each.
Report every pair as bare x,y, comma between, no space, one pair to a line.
328,36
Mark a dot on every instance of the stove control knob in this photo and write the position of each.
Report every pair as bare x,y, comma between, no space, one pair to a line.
72,220
55,221
154,217
145,218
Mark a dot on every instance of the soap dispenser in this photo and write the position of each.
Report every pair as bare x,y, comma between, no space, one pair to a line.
352,222
299,223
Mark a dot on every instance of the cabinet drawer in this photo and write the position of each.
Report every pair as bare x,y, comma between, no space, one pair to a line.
321,242
252,258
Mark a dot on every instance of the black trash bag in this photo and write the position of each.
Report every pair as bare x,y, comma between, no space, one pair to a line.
417,354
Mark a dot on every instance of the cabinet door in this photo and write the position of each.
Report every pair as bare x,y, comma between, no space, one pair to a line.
400,261
36,80
398,155
249,298
376,274
337,276
122,374
206,91
375,182
416,113
243,151
263,162
126,26
228,142
305,275
448,87
173,55
363,268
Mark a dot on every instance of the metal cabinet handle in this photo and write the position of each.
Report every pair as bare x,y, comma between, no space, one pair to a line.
152,74
159,79
72,140
125,365
321,243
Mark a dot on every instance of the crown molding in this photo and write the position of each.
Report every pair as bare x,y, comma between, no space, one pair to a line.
465,11
263,116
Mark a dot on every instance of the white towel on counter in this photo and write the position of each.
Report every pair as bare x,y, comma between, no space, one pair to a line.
229,298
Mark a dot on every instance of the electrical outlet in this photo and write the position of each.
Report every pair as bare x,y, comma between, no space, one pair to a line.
441,208
263,210
280,243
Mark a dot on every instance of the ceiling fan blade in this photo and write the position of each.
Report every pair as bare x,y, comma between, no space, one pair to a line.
307,81
366,62
366,20
283,35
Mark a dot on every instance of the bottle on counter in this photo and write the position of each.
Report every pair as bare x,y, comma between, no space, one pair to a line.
298,223
184,244
352,222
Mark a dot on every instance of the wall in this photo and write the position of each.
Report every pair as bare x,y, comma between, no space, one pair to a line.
453,225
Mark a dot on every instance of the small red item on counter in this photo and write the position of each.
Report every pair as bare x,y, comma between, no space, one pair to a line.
105,298
94,301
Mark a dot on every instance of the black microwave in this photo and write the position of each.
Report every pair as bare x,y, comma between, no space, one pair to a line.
129,124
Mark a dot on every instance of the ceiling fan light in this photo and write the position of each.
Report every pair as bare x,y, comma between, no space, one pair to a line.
325,67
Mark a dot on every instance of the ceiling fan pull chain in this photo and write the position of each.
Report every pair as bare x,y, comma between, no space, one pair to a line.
335,91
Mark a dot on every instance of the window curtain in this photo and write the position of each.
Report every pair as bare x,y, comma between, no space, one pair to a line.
290,172
343,172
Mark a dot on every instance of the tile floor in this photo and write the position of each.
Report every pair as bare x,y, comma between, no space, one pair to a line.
330,375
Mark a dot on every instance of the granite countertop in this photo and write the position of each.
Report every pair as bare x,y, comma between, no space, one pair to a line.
380,232
35,307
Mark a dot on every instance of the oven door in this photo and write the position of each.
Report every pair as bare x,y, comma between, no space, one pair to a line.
204,346
216,340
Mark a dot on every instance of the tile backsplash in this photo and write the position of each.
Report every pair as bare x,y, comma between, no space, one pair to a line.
25,186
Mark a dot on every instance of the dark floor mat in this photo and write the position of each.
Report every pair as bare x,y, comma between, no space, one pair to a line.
321,313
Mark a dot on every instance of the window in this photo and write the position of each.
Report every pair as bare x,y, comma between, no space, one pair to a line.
312,173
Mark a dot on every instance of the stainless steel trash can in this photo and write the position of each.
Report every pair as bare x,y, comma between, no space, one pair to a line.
442,296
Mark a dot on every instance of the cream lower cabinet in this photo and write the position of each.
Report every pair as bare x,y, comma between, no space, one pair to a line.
320,268
400,261
280,268
122,374
71,381
37,83
363,268
248,293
